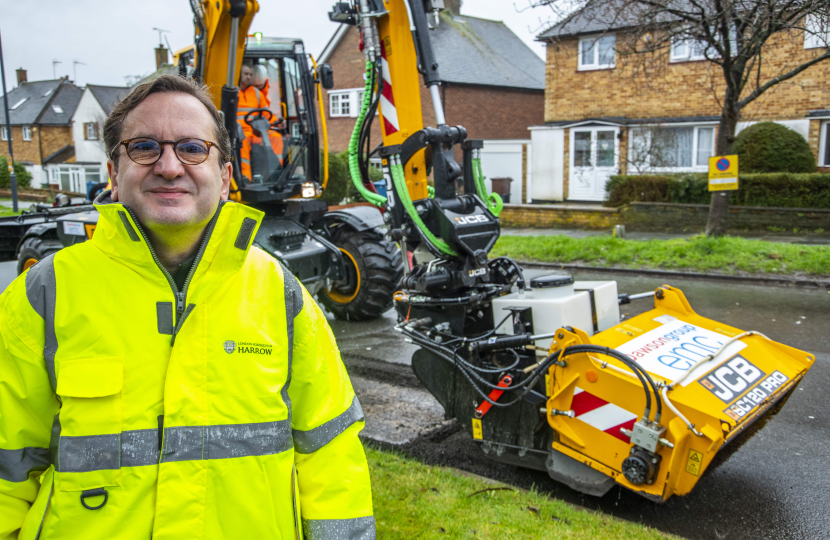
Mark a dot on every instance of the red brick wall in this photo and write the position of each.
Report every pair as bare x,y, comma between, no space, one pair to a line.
486,112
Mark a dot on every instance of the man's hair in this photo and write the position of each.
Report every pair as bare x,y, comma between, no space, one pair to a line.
164,84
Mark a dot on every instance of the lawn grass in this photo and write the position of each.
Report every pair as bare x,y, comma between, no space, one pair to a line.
725,255
413,500
5,212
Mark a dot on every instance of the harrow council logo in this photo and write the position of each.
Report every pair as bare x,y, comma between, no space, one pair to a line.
230,346
723,164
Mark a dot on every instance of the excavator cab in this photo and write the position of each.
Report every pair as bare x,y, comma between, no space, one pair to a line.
279,145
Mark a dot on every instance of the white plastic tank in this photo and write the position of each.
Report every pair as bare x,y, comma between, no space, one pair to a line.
557,300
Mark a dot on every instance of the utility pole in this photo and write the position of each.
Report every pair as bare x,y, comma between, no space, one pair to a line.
12,177
75,65
54,72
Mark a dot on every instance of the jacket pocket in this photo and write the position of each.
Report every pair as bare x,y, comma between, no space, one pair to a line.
88,451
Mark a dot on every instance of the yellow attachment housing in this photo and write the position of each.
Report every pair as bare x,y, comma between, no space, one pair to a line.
720,400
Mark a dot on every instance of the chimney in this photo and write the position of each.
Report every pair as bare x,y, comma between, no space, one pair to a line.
161,56
21,76
454,6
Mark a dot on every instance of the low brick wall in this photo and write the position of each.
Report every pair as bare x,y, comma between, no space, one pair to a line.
692,217
665,217
559,216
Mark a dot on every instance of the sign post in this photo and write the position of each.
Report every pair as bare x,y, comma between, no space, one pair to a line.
723,173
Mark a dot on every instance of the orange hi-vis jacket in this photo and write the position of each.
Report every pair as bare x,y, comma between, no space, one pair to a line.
249,99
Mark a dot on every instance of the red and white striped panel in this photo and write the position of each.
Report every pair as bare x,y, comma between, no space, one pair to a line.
602,415
387,99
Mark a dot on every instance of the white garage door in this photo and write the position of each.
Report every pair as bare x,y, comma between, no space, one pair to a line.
500,159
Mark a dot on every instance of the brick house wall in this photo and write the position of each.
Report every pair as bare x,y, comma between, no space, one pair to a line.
53,138
486,112
28,151
678,88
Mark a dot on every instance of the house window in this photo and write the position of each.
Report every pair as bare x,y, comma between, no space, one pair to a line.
18,104
340,104
597,52
680,147
683,50
27,133
58,109
824,145
4,135
91,131
816,32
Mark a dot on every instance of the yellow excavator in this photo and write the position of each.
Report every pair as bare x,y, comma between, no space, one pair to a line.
542,374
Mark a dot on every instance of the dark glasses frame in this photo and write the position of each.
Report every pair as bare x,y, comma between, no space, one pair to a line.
162,144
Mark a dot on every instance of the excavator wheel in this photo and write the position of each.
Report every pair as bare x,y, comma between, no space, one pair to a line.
373,268
34,249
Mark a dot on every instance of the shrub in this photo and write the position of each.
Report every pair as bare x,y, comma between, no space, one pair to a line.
767,147
24,177
774,189
339,180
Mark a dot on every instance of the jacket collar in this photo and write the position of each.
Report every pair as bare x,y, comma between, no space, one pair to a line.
121,237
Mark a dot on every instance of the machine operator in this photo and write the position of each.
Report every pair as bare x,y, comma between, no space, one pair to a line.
200,392
253,94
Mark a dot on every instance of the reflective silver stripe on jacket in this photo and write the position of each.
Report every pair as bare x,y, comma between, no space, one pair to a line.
312,440
41,291
15,465
293,306
362,528
140,447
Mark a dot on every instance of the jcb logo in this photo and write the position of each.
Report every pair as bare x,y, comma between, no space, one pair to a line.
731,379
477,272
481,218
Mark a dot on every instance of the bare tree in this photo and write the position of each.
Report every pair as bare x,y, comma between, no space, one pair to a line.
737,36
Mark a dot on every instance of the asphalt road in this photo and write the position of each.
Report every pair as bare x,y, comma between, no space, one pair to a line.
774,484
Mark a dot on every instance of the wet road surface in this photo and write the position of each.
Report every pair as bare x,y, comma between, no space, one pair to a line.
776,485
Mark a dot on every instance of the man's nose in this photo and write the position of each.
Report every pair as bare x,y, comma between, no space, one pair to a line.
168,164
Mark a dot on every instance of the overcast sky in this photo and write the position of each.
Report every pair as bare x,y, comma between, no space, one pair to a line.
115,38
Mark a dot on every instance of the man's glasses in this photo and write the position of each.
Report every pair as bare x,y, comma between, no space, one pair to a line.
146,151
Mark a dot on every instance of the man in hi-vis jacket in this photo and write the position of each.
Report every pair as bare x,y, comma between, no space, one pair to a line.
166,379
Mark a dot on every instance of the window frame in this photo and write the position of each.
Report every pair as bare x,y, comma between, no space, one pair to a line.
824,141
350,95
27,132
595,47
696,127
690,56
812,33
4,135
94,126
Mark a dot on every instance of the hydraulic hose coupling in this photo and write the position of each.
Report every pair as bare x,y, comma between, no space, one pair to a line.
370,31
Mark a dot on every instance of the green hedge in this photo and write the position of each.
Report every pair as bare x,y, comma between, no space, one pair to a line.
772,189
24,177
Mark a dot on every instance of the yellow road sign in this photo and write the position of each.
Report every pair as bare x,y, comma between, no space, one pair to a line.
723,173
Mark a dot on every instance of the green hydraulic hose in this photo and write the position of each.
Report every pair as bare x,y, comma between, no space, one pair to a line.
492,200
354,143
399,180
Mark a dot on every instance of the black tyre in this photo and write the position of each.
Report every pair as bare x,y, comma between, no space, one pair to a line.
373,268
34,249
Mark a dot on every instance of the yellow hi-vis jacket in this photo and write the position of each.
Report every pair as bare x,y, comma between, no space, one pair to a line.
223,411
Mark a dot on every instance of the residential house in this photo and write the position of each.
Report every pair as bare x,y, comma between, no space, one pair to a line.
606,113
491,83
87,128
41,130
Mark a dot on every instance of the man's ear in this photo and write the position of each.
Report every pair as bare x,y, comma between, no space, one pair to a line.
226,182
112,169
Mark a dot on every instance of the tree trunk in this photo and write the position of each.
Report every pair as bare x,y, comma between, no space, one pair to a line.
719,206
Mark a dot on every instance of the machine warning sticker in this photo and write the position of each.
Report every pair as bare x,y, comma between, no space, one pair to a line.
73,228
756,396
477,428
694,462
732,378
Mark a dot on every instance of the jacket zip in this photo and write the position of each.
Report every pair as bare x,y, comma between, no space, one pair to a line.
181,297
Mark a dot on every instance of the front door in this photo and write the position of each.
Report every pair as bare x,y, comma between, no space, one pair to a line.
594,158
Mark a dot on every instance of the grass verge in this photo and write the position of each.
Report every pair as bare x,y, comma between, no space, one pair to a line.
725,255
5,212
413,500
